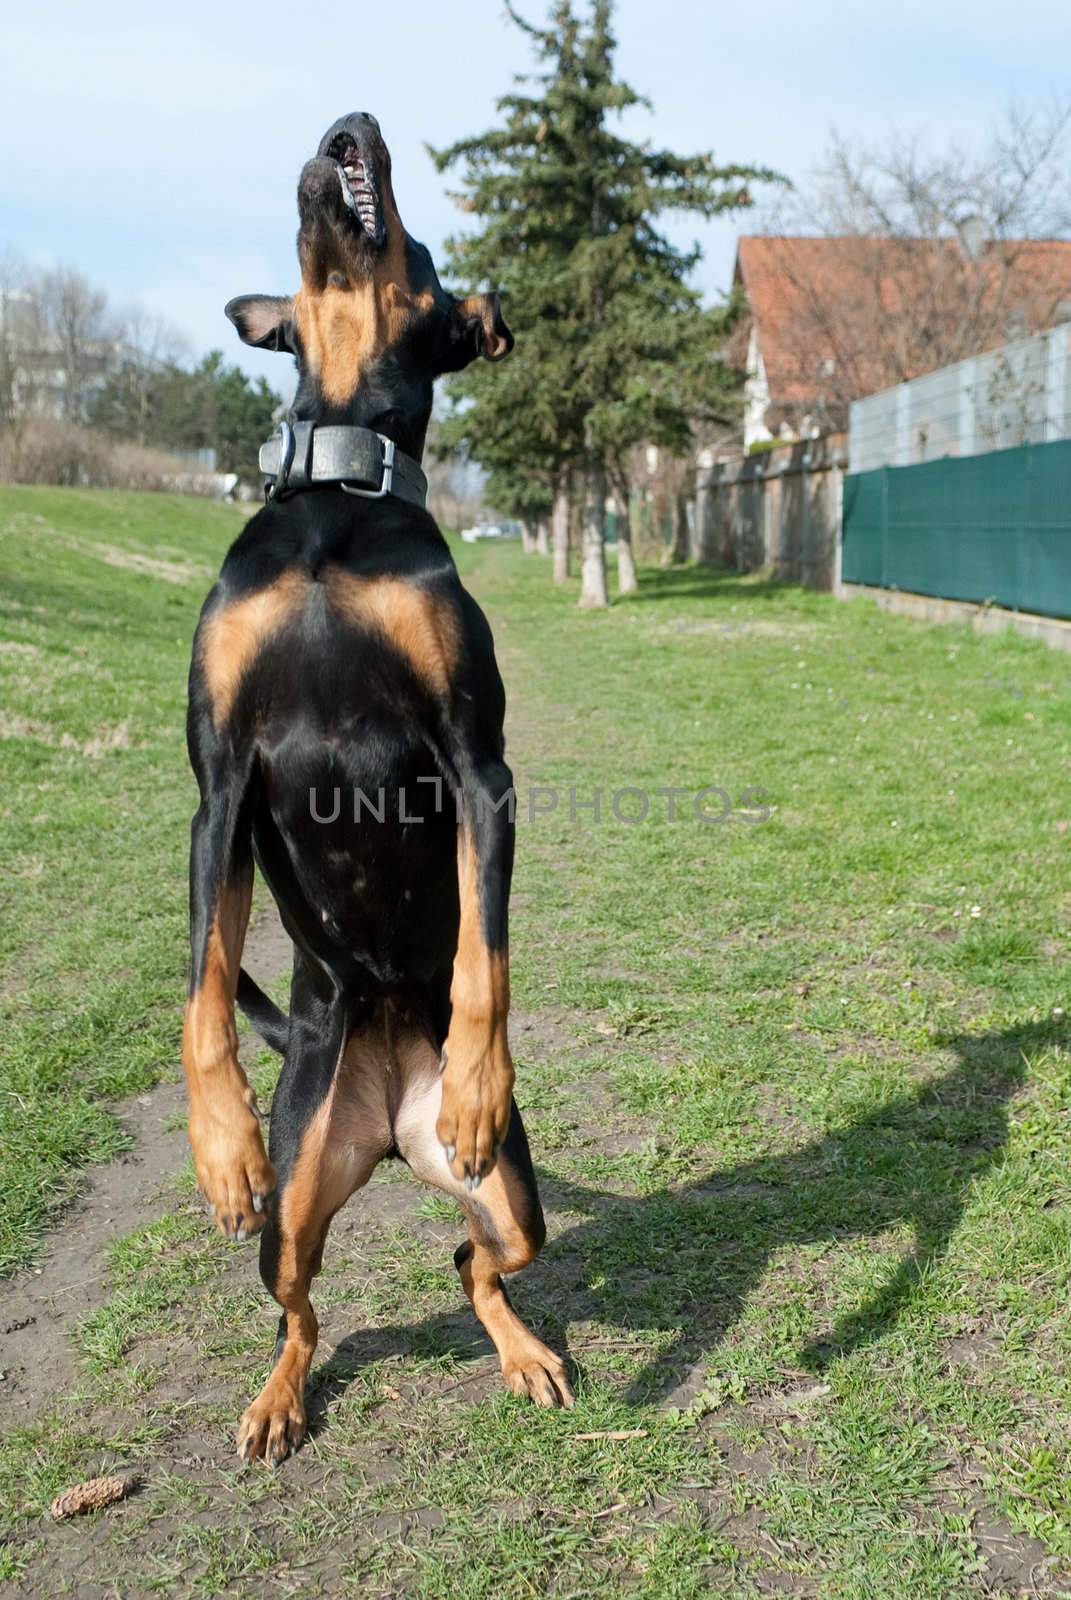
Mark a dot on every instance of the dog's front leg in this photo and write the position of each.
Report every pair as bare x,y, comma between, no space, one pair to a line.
478,1070
228,1151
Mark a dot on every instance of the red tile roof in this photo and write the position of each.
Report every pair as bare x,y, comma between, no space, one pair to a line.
883,310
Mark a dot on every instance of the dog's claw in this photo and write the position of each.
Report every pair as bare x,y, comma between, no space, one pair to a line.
233,1176
474,1116
272,1428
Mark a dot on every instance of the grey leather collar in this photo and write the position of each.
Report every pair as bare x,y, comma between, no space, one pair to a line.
304,454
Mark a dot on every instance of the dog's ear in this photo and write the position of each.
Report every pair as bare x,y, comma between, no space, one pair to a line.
263,320
477,328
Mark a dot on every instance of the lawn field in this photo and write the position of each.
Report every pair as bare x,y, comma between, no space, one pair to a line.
797,1082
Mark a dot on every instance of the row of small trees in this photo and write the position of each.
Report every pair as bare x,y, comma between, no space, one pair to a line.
615,347
181,407
68,358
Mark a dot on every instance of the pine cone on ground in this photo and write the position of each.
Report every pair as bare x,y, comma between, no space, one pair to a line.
91,1496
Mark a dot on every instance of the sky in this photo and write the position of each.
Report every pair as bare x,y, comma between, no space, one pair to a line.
158,149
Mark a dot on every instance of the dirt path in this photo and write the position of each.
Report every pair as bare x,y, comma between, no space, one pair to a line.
40,1307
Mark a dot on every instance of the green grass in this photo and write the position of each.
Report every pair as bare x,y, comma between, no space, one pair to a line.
99,599
798,1089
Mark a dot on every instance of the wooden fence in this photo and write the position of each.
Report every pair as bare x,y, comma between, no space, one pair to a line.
775,511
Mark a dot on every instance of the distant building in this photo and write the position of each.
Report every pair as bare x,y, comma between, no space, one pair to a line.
829,320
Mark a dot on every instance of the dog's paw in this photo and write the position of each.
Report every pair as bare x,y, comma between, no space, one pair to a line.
474,1114
274,1425
234,1173
538,1373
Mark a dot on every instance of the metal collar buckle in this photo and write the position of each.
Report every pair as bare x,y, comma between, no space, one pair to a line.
386,482
286,461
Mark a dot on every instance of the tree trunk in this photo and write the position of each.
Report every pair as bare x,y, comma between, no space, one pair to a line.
528,538
561,525
593,573
542,539
627,582
705,501
677,549
576,520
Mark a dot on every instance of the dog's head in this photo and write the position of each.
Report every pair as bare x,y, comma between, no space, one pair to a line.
371,326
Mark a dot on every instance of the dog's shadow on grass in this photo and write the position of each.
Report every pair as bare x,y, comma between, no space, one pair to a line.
689,1257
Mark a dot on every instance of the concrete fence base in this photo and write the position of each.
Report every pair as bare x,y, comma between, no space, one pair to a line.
983,619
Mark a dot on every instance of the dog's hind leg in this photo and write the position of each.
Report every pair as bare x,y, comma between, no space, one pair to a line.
506,1232
506,1228
329,1129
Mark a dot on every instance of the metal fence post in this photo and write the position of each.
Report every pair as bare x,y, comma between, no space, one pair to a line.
1055,383
806,554
903,424
968,400
838,528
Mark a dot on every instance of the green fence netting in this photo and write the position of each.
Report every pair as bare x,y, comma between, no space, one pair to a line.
992,528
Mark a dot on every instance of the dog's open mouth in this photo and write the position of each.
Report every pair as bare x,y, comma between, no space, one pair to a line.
358,185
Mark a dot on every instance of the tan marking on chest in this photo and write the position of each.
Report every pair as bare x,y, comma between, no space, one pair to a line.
425,630
231,638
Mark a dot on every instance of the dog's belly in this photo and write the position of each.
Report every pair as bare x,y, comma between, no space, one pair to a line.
388,1073
357,836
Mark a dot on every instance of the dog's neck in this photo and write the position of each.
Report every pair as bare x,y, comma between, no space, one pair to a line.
394,410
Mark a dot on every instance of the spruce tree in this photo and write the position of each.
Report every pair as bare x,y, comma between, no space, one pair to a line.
606,322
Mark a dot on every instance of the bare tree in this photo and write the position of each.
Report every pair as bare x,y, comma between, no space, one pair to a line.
12,312
938,255
81,336
23,382
149,341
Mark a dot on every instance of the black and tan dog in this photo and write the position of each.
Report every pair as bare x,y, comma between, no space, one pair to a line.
341,671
